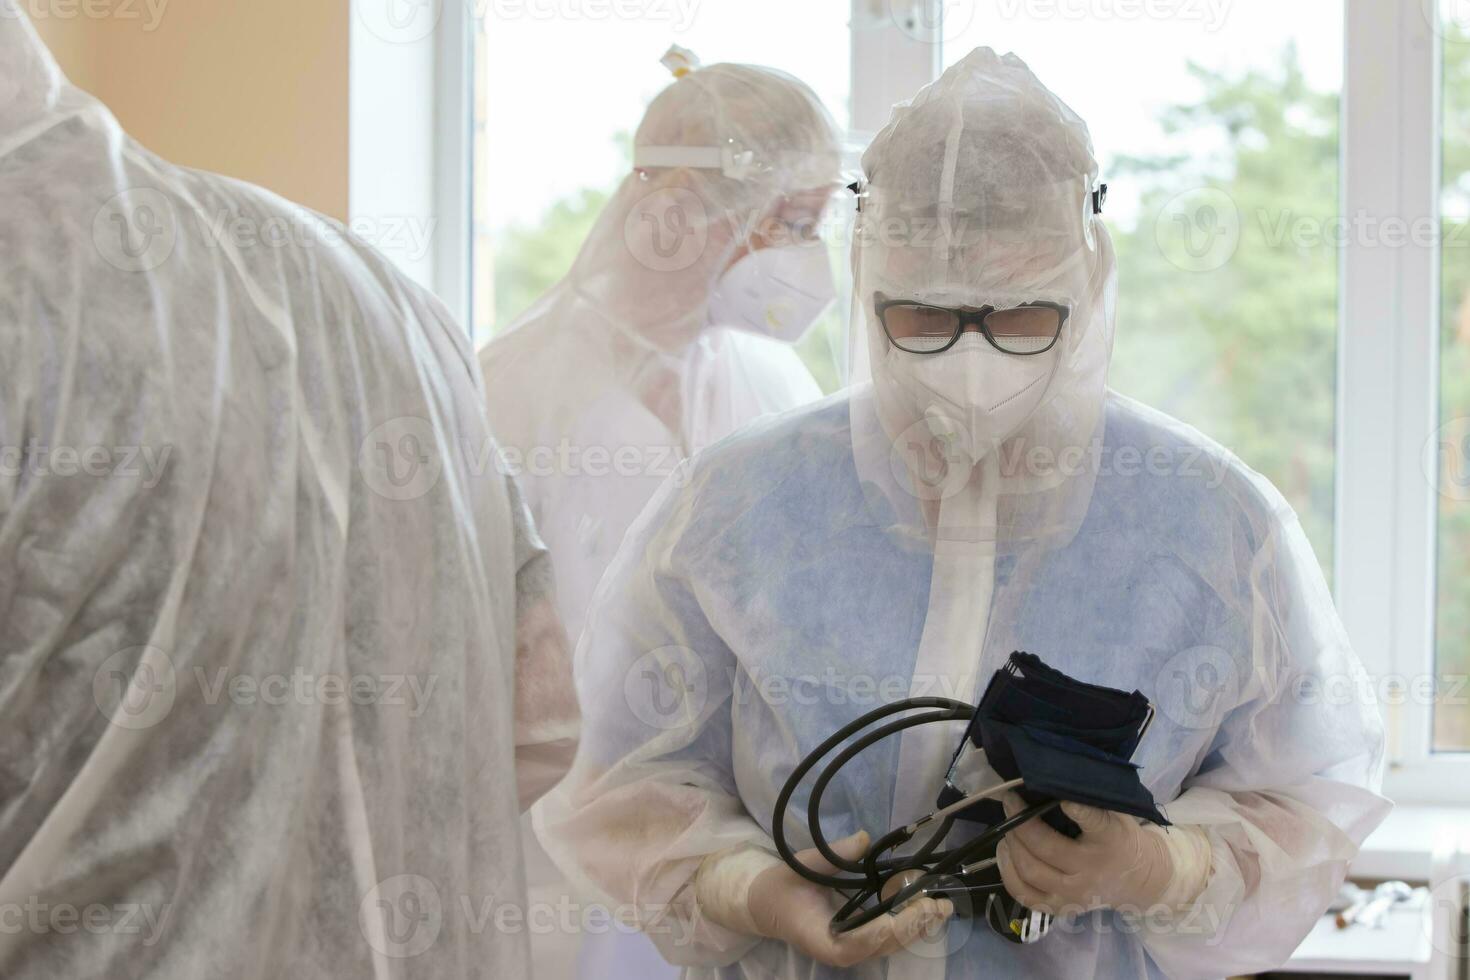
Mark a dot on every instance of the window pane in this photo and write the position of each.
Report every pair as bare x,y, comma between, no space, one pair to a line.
547,158
1452,440
1219,146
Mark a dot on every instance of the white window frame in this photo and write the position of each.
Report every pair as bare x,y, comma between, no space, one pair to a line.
410,109
407,159
1388,380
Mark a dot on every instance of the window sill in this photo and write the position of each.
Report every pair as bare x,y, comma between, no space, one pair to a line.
1404,845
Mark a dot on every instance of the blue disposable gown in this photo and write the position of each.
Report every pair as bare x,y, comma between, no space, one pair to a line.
769,595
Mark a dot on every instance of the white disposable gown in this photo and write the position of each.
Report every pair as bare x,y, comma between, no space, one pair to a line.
275,629
619,372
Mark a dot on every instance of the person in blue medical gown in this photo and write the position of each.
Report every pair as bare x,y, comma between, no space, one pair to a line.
984,493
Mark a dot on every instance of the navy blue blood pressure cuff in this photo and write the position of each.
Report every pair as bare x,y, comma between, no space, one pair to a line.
1067,739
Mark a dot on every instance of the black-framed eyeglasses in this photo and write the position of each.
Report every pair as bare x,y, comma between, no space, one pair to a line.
1031,328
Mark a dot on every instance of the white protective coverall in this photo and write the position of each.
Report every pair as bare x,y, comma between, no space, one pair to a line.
624,368
904,537
618,372
276,630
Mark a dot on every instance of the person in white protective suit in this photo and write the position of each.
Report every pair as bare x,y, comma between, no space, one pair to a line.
673,328
985,493
675,324
276,648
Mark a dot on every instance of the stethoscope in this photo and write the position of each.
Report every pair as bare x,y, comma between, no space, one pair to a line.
894,881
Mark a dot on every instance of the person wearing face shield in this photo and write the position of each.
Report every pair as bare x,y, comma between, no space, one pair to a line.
673,328
984,493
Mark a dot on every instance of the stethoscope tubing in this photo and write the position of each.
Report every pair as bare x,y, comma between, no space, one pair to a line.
866,878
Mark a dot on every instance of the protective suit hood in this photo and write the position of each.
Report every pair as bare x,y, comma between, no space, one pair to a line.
980,192
31,85
715,151
626,339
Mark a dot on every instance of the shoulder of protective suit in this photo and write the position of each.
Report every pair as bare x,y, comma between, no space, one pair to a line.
277,231
1168,468
121,258
809,441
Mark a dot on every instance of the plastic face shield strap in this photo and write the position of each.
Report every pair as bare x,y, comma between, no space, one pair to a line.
722,158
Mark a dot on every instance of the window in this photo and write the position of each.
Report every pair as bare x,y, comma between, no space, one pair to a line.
1270,169
1450,445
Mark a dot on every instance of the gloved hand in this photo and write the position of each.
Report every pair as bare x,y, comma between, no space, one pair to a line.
778,903
1118,862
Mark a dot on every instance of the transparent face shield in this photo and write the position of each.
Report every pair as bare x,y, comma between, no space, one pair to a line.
719,237
1031,282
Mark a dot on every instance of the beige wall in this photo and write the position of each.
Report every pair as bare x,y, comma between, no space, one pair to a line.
256,89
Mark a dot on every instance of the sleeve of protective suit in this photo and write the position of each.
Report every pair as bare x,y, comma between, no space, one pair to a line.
1287,792
547,719
652,792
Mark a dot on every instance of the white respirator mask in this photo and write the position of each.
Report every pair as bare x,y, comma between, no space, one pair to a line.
776,292
972,396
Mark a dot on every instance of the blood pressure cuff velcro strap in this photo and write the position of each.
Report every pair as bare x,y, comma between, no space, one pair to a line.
1066,738
1053,768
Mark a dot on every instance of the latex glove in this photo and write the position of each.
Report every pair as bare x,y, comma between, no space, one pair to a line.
777,903
1118,862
